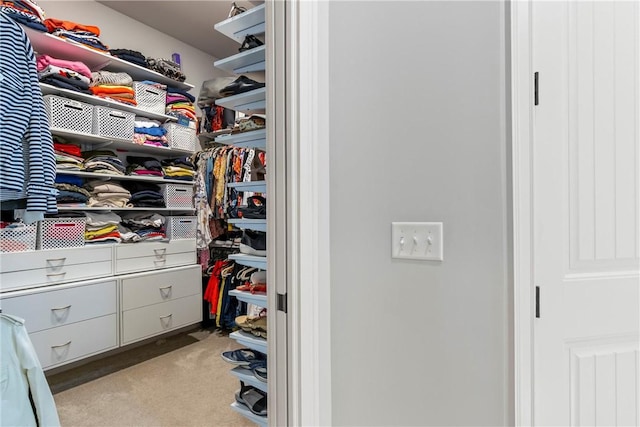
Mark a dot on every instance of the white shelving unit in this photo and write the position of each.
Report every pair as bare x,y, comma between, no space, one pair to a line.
249,224
256,139
95,100
237,27
249,298
250,22
251,102
65,49
85,208
82,174
250,260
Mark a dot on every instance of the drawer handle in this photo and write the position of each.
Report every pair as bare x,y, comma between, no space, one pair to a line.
61,345
61,308
164,317
56,274
161,250
166,287
166,291
63,259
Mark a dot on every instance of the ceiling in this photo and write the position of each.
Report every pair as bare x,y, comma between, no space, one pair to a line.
188,21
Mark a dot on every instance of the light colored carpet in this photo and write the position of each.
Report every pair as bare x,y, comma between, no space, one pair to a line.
190,386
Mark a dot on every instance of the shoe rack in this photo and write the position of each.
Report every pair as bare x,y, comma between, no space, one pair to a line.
250,22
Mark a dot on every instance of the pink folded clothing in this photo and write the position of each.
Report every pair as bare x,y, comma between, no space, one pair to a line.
43,61
144,172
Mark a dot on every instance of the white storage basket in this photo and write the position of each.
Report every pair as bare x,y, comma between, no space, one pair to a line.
150,98
180,137
181,227
68,114
112,123
58,233
177,196
18,239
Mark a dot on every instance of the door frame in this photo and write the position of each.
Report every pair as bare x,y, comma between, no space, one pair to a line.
522,181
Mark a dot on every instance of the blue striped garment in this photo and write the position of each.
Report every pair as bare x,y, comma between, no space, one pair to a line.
27,160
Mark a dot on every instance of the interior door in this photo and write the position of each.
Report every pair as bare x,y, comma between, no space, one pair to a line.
586,212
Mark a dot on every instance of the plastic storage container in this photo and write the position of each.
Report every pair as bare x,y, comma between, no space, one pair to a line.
112,123
68,114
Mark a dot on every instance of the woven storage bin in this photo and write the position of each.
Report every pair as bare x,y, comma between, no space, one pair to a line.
150,98
181,227
180,137
113,123
18,239
57,233
68,114
177,196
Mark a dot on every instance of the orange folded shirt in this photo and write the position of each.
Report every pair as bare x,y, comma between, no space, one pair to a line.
53,24
104,89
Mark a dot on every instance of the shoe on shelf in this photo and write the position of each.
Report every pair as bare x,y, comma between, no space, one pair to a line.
256,208
252,398
253,243
242,356
240,85
250,42
236,10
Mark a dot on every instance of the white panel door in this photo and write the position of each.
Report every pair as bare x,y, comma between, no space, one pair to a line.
586,212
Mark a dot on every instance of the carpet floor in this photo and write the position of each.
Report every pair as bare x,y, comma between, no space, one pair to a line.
189,385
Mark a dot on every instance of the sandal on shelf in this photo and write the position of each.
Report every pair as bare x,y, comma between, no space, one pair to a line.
236,10
252,398
250,42
242,357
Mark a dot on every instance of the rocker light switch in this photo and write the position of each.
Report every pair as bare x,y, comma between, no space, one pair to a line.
417,240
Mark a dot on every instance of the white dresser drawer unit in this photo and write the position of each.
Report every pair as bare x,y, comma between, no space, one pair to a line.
144,289
154,255
152,320
59,305
68,343
30,269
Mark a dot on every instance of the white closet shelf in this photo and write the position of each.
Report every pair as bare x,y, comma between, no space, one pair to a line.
249,224
65,49
249,298
150,208
251,341
95,100
254,186
251,22
250,260
122,177
248,61
250,102
261,421
117,143
247,377
255,138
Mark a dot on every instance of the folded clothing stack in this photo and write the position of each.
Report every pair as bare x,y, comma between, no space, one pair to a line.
72,75
71,195
144,194
103,161
149,132
102,227
167,68
25,12
144,166
108,195
87,35
115,86
180,103
146,225
180,168
68,156
132,56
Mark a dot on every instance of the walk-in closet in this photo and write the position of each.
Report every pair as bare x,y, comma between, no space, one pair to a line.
133,242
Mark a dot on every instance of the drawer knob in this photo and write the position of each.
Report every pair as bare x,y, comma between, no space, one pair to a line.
63,259
61,308
166,291
56,275
166,320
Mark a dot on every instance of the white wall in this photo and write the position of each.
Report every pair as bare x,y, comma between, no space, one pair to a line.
418,133
118,31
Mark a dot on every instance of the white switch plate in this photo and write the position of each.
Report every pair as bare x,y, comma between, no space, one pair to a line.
417,240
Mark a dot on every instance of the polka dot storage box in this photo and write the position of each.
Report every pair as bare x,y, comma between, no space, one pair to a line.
58,233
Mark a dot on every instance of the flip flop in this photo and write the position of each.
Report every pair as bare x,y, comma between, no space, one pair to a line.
242,357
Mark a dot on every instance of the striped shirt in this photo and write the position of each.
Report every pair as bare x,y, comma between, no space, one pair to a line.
27,160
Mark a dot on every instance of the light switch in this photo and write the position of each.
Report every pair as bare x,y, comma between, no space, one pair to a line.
417,240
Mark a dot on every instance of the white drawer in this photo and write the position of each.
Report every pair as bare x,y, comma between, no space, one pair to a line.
156,319
52,276
152,288
65,344
154,255
55,259
55,306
